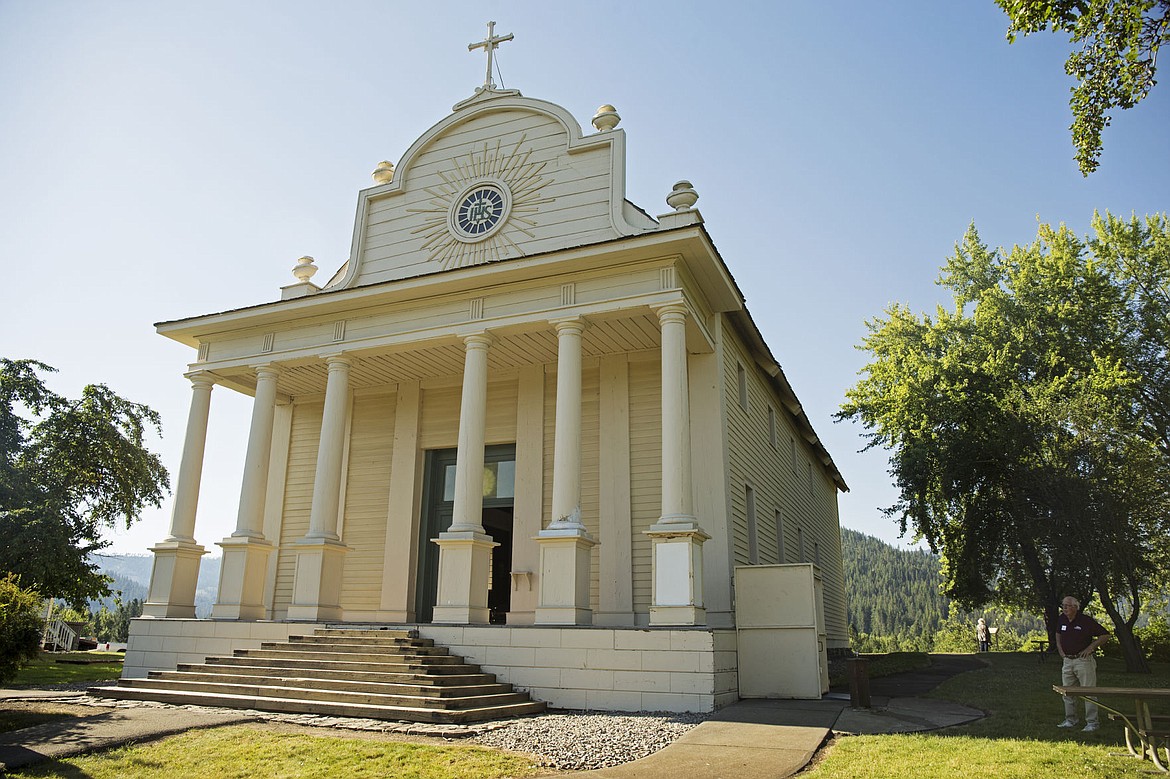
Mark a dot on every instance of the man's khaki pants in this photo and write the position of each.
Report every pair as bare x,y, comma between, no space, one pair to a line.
1079,672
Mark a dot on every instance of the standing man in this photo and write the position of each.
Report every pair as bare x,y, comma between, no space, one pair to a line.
1077,638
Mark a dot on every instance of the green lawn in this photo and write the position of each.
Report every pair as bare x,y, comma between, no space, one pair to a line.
1019,738
45,671
237,751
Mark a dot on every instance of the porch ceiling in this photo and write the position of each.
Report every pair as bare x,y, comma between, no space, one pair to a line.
508,351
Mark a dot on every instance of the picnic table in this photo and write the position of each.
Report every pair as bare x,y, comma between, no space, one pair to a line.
1145,733
1040,646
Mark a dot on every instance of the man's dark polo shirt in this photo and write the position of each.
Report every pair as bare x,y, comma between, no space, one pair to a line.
1076,636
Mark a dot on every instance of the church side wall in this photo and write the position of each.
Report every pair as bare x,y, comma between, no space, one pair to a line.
785,480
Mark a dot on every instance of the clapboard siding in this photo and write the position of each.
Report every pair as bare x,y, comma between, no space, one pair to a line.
439,417
367,497
439,420
806,497
298,497
645,471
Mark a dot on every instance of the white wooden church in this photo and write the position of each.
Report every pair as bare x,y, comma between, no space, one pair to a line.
526,421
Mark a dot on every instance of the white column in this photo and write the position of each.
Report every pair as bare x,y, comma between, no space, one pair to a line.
676,418
327,481
176,559
677,538
317,581
250,520
565,545
566,490
245,552
465,549
468,507
191,466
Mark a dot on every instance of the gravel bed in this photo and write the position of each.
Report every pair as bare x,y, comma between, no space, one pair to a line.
564,740
579,741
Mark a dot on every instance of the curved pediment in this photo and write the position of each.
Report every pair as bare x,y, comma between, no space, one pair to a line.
502,177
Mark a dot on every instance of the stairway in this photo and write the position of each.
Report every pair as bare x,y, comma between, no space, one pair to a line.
378,674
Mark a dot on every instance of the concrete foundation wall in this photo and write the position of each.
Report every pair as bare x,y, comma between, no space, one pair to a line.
605,669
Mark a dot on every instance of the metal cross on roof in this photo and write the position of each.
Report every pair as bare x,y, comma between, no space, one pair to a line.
490,44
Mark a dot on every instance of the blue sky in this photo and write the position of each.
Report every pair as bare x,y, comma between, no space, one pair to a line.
164,160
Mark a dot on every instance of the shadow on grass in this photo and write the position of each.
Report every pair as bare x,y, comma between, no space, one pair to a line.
1015,690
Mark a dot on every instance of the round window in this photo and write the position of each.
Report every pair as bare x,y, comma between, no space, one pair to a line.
479,211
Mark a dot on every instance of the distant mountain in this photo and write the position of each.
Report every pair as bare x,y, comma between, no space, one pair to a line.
131,574
895,592
891,591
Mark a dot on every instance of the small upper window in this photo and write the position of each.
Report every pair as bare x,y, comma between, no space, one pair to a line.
779,536
752,530
772,426
741,376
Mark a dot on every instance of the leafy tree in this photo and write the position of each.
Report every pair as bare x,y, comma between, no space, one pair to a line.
1027,437
20,626
115,625
68,469
1116,63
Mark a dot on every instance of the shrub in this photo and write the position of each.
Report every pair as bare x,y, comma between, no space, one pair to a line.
1154,638
20,626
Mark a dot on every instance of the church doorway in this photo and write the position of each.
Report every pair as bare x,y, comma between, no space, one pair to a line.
499,490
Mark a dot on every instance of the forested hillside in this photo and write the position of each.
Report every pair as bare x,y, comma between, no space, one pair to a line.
131,574
892,592
894,602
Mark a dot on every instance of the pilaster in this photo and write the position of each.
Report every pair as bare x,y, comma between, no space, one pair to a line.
317,582
173,579
564,577
464,558
677,597
242,576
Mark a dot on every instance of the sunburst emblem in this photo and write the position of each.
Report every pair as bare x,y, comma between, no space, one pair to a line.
482,204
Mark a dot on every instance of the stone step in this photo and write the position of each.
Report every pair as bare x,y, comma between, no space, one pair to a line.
371,632
254,657
372,640
305,706
364,648
360,684
430,680
363,656
314,693
383,674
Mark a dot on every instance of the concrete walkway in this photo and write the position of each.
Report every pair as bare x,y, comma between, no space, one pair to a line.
754,739
748,740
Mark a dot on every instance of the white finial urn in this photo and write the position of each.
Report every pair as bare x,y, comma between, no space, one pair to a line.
384,173
682,196
304,269
606,118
